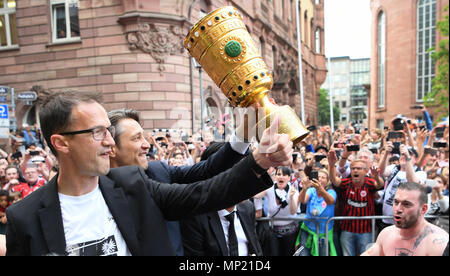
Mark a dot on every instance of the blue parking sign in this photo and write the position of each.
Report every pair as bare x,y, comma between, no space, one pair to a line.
3,111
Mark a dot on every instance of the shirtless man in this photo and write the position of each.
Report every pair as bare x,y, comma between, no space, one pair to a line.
411,234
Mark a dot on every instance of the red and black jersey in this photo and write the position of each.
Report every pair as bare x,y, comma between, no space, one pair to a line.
357,201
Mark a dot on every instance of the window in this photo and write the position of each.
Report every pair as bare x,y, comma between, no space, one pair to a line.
380,123
65,26
426,38
317,39
8,30
381,58
305,31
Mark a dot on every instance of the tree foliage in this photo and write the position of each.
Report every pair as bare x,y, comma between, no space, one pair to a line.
438,96
323,109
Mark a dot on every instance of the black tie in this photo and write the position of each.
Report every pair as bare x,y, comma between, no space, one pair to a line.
232,238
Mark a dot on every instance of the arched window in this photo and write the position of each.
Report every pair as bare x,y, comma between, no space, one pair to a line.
261,47
317,40
274,57
426,38
381,59
305,31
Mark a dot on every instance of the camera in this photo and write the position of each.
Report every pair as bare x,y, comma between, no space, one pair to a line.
398,123
396,149
16,155
394,135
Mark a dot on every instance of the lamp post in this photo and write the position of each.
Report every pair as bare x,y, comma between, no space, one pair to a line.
202,100
300,70
330,97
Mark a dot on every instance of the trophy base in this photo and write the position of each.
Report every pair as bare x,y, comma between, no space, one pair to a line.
290,124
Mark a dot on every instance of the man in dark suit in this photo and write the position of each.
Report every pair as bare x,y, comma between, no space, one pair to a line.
131,148
210,235
88,209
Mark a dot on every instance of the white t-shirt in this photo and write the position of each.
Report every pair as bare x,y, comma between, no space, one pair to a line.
272,207
89,226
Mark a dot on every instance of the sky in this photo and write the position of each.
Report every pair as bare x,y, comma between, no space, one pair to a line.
347,28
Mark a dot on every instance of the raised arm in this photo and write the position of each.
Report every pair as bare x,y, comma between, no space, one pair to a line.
332,159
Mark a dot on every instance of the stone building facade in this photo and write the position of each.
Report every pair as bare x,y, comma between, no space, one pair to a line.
401,69
132,52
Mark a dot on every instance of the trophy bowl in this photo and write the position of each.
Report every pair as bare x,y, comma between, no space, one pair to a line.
221,44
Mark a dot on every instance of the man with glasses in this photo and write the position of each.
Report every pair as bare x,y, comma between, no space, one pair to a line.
88,209
356,195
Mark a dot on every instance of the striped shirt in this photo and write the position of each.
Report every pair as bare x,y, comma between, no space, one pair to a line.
357,201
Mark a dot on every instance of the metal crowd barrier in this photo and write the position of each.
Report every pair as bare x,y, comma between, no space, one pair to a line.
300,218
315,221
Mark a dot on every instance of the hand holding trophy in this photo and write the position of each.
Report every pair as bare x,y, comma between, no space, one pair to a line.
221,44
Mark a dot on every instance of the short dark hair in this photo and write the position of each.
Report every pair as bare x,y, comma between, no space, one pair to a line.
284,170
413,186
56,111
118,114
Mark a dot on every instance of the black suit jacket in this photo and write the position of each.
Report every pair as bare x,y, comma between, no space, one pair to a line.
222,160
138,204
203,235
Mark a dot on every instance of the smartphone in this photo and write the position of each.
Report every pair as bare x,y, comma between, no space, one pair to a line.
430,151
338,145
353,148
34,152
440,132
319,157
417,107
374,150
439,144
294,157
314,175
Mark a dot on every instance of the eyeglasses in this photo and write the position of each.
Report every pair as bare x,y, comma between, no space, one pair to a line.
98,132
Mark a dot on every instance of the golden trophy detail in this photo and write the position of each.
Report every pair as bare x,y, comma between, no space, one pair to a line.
221,44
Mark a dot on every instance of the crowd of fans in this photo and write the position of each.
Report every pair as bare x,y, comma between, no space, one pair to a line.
348,172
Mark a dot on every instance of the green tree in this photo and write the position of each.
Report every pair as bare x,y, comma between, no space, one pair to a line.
438,96
323,109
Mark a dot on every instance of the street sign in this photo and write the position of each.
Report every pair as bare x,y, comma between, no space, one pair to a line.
3,99
27,96
3,90
4,121
4,111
